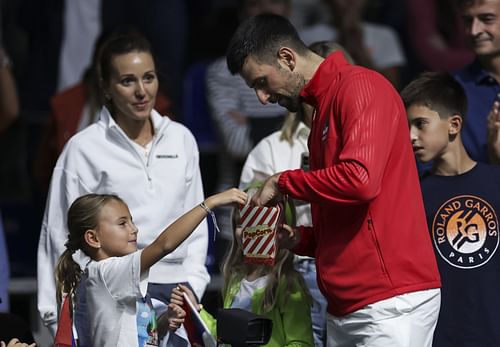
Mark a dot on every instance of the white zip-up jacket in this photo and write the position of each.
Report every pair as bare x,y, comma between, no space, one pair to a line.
158,188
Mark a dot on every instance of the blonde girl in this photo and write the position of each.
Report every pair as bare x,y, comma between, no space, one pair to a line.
115,277
277,292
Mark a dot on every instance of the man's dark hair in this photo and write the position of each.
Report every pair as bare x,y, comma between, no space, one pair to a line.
261,37
437,91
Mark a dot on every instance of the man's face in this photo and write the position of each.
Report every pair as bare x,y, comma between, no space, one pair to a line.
273,83
482,26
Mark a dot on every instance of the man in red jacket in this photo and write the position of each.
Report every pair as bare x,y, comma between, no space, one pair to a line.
374,257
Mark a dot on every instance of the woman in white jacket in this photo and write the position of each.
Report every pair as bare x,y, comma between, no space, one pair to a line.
134,152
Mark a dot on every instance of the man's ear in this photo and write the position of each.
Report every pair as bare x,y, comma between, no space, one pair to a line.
287,57
455,124
92,239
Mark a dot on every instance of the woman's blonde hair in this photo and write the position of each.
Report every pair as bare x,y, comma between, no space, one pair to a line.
83,215
234,269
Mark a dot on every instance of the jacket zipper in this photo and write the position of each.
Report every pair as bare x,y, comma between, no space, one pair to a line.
134,150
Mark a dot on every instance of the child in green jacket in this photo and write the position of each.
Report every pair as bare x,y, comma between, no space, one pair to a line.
276,292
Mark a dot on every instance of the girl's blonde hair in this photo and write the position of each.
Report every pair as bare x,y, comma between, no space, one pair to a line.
83,215
234,269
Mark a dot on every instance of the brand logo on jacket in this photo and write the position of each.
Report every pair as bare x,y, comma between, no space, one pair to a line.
465,231
167,156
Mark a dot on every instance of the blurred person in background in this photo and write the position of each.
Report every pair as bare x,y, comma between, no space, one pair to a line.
371,45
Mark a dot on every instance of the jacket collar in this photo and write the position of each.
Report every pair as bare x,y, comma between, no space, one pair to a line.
315,90
159,122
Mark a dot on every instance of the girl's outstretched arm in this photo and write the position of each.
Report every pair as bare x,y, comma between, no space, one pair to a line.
180,230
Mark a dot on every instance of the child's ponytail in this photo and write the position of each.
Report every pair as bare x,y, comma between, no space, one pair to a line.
68,274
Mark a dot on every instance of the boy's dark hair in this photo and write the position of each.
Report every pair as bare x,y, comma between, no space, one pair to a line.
438,91
261,37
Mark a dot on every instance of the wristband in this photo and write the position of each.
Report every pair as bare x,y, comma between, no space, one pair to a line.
212,214
205,207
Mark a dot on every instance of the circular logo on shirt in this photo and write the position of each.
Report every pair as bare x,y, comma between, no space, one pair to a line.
465,231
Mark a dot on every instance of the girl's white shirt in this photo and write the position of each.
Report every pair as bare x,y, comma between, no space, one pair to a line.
112,288
243,298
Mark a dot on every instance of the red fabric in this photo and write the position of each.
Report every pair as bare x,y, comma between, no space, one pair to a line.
192,330
64,334
370,236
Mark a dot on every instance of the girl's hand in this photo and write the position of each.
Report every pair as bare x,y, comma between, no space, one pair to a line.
183,289
176,297
176,316
229,196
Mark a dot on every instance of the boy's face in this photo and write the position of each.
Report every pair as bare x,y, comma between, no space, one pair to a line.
429,133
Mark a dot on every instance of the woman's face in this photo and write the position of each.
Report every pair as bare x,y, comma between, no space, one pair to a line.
133,85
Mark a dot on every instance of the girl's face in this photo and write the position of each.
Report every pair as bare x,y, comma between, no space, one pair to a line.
133,85
116,232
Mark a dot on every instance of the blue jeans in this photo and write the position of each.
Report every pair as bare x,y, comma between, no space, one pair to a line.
307,267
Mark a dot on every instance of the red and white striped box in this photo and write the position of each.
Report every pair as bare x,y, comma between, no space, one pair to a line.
259,229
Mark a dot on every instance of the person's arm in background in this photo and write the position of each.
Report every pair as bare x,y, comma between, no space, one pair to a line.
494,133
194,263
9,102
222,98
428,44
65,187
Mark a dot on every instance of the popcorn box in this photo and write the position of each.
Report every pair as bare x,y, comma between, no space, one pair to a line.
259,231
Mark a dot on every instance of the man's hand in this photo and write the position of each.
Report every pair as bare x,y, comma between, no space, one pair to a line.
288,237
494,133
269,193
